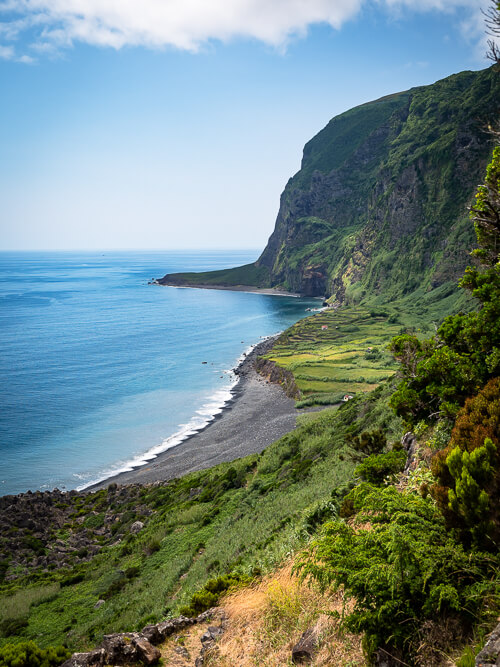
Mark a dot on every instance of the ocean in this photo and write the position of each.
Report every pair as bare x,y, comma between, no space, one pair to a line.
101,371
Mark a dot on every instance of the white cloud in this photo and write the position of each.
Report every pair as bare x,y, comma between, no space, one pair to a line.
6,52
185,24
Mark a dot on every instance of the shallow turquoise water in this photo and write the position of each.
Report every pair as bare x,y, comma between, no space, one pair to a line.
99,370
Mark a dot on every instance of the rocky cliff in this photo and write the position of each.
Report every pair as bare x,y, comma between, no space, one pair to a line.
379,206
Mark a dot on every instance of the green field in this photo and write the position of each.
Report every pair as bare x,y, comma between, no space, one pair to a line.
349,356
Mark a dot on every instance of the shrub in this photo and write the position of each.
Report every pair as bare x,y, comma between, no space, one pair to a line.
477,422
370,442
400,567
209,595
377,467
94,521
28,654
13,626
72,579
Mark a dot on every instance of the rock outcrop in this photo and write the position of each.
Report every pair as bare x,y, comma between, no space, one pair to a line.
31,525
489,656
129,648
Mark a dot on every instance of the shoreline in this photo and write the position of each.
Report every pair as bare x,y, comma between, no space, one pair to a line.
257,414
249,289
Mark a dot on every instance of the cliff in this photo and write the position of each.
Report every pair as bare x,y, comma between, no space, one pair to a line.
379,206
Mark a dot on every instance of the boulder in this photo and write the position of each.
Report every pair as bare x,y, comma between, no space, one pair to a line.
136,527
152,634
119,648
95,658
147,653
211,634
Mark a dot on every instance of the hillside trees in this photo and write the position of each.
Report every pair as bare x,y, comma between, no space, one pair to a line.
468,471
439,374
414,564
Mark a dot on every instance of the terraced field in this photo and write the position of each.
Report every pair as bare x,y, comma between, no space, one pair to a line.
338,352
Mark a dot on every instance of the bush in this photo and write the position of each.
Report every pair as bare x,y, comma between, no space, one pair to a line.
10,627
377,467
478,422
72,579
28,654
402,570
211,592
370,442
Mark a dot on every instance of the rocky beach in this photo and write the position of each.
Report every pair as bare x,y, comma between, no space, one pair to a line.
258,414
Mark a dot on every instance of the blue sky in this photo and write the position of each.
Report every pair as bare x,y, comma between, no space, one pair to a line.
169,124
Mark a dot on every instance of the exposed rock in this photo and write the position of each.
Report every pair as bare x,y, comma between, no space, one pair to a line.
277,375
152,634
148,653
95,658
127,648
30,525
306,647
136,527
209,637
183,652
119,648
409,442
489,656
211,634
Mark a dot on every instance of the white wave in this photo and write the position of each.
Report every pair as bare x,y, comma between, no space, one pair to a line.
201,419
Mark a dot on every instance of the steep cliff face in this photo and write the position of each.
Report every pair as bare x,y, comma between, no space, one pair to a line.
380,202
379,206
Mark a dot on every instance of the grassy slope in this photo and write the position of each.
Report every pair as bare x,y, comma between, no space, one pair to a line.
351,356
250,275
246,516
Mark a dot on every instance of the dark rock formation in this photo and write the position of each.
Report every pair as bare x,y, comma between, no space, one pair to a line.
31,524
409,442
490,654
128,648
278,375
209,638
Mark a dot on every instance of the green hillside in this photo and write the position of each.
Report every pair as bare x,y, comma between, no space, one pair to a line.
378,209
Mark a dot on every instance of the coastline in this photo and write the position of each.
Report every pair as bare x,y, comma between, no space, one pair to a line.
257,414
269,291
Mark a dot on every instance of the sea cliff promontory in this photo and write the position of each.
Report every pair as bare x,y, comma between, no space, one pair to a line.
379,206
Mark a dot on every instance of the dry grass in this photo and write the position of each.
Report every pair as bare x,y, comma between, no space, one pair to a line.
266,620
182,649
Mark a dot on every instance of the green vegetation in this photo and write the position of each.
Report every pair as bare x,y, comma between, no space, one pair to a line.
237,519
28,654
250,275
386,188
423,569
415,554
337,352
209,595
405,573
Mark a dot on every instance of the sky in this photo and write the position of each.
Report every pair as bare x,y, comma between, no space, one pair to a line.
175,124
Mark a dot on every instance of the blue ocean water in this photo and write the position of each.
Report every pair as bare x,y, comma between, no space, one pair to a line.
101,371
